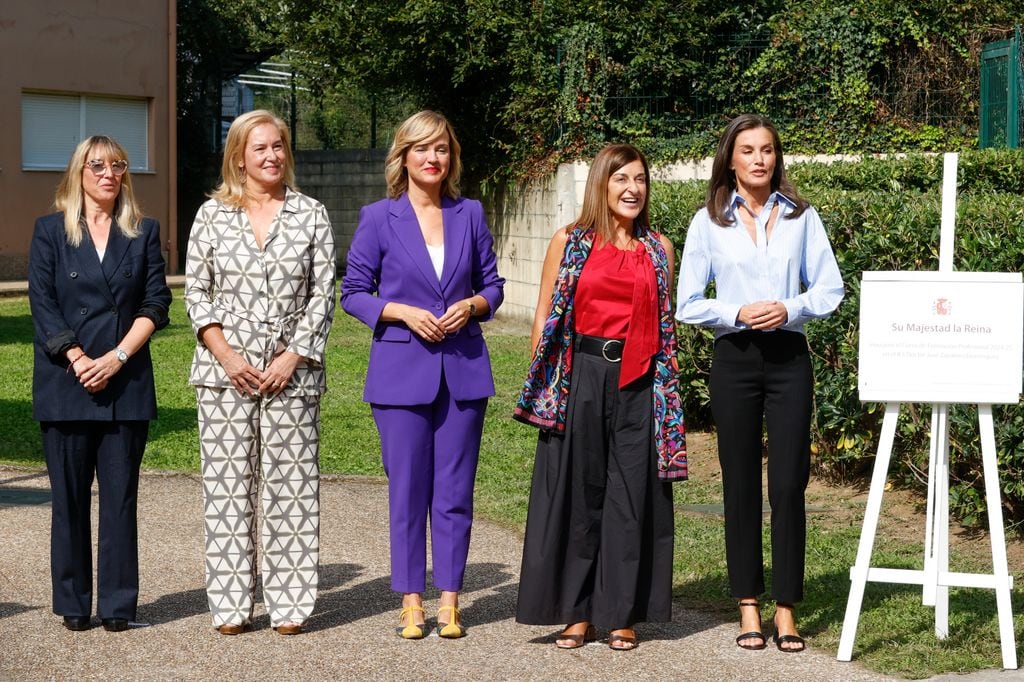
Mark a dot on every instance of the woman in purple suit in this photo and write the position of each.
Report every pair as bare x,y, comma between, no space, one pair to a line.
422,274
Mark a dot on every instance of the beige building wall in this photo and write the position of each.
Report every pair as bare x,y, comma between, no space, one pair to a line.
120,48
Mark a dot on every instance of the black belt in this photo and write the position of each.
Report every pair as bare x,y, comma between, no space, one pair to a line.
609,349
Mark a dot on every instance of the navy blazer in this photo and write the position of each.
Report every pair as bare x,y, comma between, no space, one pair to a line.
77,300
388,261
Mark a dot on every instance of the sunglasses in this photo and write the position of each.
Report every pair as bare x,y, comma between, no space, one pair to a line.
99,168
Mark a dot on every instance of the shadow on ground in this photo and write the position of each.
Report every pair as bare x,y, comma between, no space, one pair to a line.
8,608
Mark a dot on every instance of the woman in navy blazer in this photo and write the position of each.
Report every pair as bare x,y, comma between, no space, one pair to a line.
422,274
97,292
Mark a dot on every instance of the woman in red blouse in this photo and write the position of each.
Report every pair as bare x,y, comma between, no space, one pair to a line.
598,547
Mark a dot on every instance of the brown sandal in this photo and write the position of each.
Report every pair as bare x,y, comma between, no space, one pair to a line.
626,642
288,629
576,641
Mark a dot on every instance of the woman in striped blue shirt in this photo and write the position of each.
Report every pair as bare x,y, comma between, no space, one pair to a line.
766,250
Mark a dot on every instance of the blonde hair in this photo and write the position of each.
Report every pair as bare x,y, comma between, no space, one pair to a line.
596,214
231,190
70,197
422,127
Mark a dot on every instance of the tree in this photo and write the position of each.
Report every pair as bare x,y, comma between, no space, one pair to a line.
530,83
216,40
492,66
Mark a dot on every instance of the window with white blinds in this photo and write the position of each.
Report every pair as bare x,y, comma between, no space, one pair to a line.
52,125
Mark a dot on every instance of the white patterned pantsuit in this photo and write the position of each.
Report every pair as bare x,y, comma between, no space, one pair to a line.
277,440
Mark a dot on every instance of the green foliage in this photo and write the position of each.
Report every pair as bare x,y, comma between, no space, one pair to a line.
884,215
216,39
837,48
344,118
530,84
873,75
581,102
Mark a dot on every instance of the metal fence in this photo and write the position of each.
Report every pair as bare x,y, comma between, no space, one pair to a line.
1002,93
912,102
917,100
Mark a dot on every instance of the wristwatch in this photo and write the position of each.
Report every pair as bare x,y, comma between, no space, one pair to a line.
472,308
121,356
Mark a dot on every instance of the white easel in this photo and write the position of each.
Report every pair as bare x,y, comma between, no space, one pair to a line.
935,578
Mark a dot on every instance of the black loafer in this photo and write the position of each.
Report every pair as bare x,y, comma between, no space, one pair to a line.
76,623
115,624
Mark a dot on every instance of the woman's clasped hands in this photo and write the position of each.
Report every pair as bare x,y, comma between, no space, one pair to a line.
429,328
250,381
763,315
276,376
95,374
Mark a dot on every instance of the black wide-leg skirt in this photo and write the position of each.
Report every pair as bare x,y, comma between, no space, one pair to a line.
599,530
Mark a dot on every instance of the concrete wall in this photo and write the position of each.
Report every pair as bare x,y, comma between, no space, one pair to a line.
343,181
523,218
86,47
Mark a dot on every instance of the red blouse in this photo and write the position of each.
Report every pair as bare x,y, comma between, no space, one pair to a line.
617,298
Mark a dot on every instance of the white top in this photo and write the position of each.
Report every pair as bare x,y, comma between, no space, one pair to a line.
100,252
437,258
795,267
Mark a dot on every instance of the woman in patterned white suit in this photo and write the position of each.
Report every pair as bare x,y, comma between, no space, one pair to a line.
260,295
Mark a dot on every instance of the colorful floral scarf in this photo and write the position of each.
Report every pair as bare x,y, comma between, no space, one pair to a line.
545,395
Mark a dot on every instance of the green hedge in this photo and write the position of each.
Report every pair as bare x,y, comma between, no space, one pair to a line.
884,215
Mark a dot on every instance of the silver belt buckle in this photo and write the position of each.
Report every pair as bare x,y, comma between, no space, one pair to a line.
604,351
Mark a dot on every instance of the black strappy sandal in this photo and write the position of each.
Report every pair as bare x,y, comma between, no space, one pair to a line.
787,639
753,634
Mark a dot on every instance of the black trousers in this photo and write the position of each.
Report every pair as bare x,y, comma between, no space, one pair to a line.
760,378
76,452
599,528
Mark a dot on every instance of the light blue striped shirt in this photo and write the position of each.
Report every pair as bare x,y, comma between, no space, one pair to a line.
796,267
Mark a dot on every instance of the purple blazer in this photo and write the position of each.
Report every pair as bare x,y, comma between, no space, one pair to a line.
388,261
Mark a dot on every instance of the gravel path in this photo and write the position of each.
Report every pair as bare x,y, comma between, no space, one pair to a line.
351,633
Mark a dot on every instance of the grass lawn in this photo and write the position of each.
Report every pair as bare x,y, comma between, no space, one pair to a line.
896,631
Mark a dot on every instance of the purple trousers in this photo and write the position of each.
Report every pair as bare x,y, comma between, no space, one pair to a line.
430,454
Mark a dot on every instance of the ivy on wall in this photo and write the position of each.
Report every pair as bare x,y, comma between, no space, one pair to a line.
532,83
581,97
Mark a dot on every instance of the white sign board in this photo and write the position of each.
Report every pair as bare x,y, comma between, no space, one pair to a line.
941,337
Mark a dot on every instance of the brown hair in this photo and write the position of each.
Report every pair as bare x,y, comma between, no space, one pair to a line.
595,213
69,197
422,127
231,190
723,178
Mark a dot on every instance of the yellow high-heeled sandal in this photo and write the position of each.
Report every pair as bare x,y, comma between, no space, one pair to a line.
413,630
451,629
